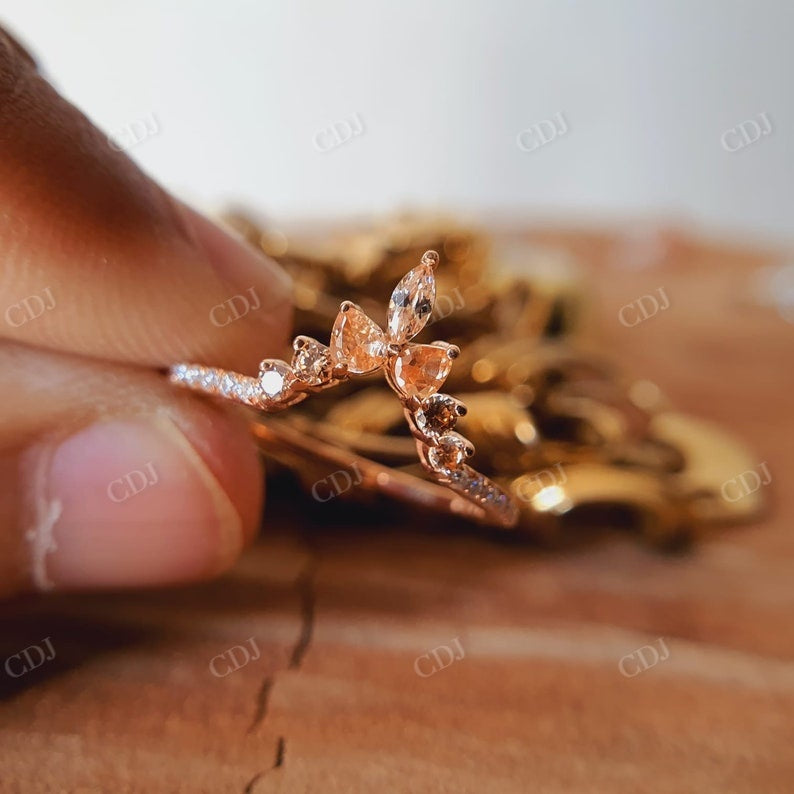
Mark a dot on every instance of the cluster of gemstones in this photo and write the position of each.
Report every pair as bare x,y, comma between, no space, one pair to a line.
359,346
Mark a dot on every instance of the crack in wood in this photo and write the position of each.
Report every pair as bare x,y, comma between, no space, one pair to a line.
308,597
281,746
262,699
305,585
277,762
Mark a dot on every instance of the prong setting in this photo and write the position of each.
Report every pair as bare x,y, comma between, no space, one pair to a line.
431,258
416,372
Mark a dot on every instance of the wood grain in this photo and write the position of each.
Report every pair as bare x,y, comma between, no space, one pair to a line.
339,611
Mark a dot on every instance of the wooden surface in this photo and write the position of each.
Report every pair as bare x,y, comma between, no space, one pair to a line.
340,613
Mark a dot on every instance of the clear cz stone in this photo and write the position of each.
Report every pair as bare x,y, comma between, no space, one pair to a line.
411,303
247,390
438,412
312,361
275,377
458,477
420,370
227,385
357,341
478,486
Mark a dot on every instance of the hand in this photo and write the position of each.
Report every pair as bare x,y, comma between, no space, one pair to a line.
109,477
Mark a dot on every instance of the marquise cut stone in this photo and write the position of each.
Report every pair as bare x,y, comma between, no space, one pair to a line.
411,303
420,370
357,341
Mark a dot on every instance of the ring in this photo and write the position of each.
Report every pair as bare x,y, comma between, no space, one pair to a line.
359,346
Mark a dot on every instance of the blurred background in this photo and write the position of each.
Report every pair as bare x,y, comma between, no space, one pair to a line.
586,111
624,154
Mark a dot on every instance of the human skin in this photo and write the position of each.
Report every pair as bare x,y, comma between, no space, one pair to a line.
105,280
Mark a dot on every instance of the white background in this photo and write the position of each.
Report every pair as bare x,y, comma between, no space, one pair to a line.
240,90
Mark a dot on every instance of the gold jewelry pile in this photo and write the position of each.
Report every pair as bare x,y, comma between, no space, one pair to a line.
580,447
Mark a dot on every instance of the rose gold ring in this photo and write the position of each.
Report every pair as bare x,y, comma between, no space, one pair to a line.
416,372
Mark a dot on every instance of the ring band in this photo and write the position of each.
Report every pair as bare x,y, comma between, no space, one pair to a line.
358,346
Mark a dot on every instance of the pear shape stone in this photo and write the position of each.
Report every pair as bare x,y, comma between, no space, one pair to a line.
420,370
411,303
357,341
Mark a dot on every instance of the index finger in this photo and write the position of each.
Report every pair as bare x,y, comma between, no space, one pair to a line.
96,259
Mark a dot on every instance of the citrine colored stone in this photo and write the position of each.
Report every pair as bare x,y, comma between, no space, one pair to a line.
450,451
420,370
438,412
357,341
312,361
411,303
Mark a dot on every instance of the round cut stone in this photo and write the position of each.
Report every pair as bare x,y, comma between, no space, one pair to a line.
458,477
357,341
249,392
312,361
438,412
411,303
274,377
227,385
452,449
477,486
420,370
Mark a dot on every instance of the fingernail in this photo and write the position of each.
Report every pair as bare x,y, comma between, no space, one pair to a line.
236,260
129,503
